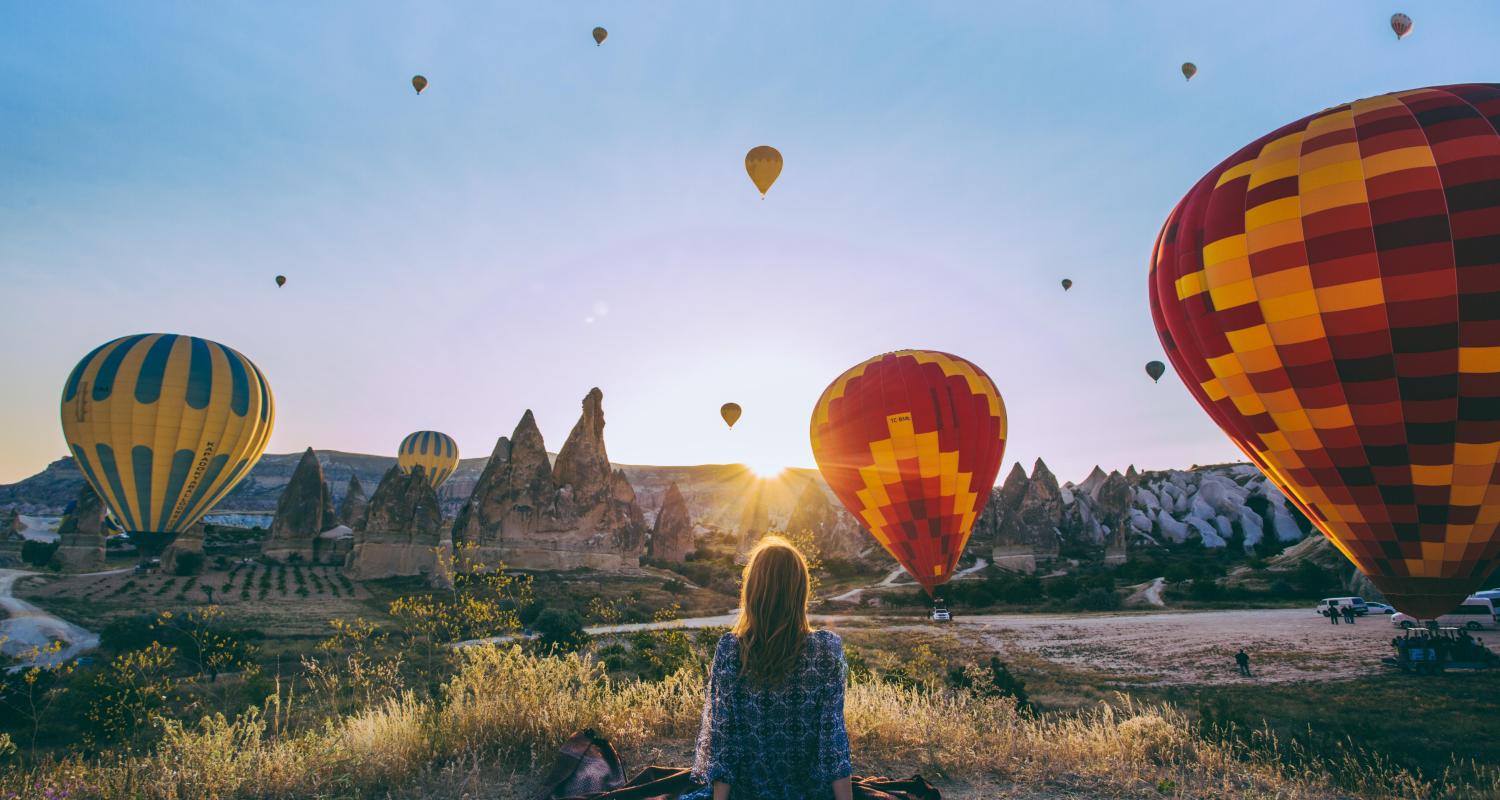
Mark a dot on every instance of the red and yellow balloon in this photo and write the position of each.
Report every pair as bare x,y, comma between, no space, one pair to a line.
911,443
1330,294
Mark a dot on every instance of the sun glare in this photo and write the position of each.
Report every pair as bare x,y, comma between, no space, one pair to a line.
765,469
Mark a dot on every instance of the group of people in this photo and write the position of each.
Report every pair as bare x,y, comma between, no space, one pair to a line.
1435,649
1346,611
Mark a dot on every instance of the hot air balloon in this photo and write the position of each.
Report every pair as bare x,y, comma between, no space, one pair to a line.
436,453
1067,283
730,412
1189,69
600,35
162,426
1155,369
419,83
280,281
764,165
1329,295
911,443
1401,24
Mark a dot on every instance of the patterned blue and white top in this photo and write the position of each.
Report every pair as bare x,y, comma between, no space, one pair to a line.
781,743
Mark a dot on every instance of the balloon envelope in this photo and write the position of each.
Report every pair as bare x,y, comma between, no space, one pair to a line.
1067,284
419,83
436,453
162,426
1401,24
911,443
600,34
1330,294
730,412
763,163
280,280
1156,369
1189,69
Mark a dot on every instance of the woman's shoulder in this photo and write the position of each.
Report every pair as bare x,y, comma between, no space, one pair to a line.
826,641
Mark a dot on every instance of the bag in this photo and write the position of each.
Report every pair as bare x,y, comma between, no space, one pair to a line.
586,764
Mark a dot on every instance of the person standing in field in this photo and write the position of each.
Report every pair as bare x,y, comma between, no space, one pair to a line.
773,721
1333,613
1242,659
1349,614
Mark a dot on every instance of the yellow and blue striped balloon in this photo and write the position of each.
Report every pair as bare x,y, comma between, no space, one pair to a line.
435,452
163,426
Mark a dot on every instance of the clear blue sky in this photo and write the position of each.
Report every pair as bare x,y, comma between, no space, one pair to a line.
550,215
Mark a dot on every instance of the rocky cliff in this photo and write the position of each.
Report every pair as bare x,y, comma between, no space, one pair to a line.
81,534
303,512
530,515
403,531
832,527
672,535
351,513
1031,519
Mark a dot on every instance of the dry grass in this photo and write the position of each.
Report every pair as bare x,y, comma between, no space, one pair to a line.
506,711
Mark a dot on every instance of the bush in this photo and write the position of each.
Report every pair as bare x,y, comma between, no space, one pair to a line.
1204,589
188,562
560,631
38,554
1064,588
1099,599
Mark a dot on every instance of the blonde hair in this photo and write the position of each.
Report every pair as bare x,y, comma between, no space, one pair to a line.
773,611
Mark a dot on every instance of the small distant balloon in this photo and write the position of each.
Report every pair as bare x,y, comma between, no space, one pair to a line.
1401,24
1067,283
763,163
600,35
419,83
280,280
1155,369
1189,69
731,413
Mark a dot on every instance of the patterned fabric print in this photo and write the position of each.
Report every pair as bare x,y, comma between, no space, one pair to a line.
163,426
1331,296
784,743
911,443
435,452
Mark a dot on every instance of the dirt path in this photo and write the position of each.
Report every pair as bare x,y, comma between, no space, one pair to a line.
28,627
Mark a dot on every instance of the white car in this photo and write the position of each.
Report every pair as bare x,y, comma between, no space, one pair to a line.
1476,613
1378,608
941,615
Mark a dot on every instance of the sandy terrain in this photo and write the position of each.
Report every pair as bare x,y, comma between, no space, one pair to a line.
1188,647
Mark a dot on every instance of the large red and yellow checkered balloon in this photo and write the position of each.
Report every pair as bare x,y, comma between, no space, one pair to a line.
1331,296
911,443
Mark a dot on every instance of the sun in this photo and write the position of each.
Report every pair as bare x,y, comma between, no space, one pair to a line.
765,469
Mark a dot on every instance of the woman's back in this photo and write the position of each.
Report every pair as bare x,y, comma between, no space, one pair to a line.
782,741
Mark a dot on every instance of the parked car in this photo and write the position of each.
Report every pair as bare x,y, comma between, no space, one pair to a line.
940,612
1339,603
1378,608
1476,613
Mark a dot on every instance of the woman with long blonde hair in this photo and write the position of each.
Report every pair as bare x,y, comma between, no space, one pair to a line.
773,722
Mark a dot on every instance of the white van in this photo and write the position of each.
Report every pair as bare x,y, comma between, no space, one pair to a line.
1341,603
1476,613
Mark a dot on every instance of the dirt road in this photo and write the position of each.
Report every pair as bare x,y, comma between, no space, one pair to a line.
28,628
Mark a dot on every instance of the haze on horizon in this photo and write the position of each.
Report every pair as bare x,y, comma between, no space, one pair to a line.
550,216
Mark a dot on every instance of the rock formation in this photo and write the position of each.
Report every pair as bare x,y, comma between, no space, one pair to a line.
81,534
184,556
672,535
351,513
755,522
300,513
833,529
1021,519
528,514
403,533
1112,507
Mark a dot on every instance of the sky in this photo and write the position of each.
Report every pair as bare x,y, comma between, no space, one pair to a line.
550,216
